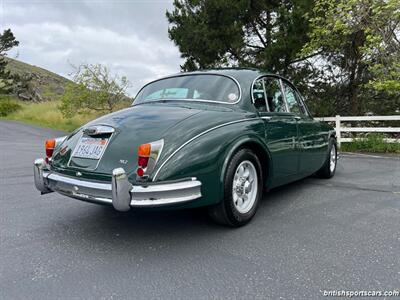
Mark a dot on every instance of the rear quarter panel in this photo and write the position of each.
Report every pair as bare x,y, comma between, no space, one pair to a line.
206,156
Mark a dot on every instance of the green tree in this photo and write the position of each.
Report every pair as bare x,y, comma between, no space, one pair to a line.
342,54
358,41
247,33
94,88
7,42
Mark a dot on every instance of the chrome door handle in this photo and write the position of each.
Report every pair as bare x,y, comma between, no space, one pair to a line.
297,118
266,118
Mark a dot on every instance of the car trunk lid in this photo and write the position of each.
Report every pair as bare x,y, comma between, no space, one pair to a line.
121,133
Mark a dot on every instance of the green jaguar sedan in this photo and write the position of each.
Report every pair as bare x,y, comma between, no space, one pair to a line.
215,138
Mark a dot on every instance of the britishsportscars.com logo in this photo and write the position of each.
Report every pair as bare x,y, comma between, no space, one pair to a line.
357,293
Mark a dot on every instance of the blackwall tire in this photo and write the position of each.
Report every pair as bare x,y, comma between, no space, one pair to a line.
329,168
243,187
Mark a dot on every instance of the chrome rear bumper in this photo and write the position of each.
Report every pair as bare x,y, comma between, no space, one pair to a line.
120,192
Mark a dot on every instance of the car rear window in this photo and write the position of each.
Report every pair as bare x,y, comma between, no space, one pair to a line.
200,87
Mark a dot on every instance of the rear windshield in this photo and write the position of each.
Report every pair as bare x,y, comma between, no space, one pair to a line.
191,87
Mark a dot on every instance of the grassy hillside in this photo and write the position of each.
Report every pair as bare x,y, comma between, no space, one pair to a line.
37,101
46,84
47,114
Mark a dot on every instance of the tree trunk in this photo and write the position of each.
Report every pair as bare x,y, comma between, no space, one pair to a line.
356,70
353,91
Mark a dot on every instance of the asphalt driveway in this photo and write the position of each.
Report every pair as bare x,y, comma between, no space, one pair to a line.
309,236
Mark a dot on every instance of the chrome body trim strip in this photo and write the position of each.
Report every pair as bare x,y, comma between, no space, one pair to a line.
119,193
192,139
199,100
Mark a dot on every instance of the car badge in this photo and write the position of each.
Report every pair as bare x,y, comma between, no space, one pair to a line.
78,174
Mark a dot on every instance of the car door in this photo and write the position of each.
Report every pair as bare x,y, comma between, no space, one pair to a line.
312,142
281,133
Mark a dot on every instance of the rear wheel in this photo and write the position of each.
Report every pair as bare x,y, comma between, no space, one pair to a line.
242,190
329,167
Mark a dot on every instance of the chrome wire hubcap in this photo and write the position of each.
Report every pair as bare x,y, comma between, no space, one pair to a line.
333,158
244,187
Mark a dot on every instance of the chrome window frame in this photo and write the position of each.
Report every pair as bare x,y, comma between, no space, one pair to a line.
299,98
196,100
308,113
281,79
284,95
280,85
265,95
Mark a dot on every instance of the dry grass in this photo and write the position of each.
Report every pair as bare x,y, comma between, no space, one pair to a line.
47,114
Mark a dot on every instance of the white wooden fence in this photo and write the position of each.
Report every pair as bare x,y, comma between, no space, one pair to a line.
339,129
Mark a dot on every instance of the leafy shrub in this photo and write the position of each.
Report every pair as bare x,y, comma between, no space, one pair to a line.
94,90
8,106
371,143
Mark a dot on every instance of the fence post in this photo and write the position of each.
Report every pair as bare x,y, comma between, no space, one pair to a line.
337,128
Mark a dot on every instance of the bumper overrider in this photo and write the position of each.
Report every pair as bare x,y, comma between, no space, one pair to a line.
120,192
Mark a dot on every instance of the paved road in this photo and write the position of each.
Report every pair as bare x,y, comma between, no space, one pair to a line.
312,235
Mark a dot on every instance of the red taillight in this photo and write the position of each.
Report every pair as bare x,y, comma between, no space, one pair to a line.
144,151
143,155
49,146
140,172
143,161
147,157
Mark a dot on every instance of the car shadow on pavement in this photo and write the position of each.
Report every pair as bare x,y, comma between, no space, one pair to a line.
103,225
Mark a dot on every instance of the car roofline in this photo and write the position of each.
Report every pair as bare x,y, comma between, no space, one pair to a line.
196,100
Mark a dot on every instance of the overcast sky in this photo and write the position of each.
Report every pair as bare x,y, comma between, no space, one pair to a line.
128,36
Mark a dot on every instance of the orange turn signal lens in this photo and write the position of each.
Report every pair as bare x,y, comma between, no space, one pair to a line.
49,146
147,157
144,150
